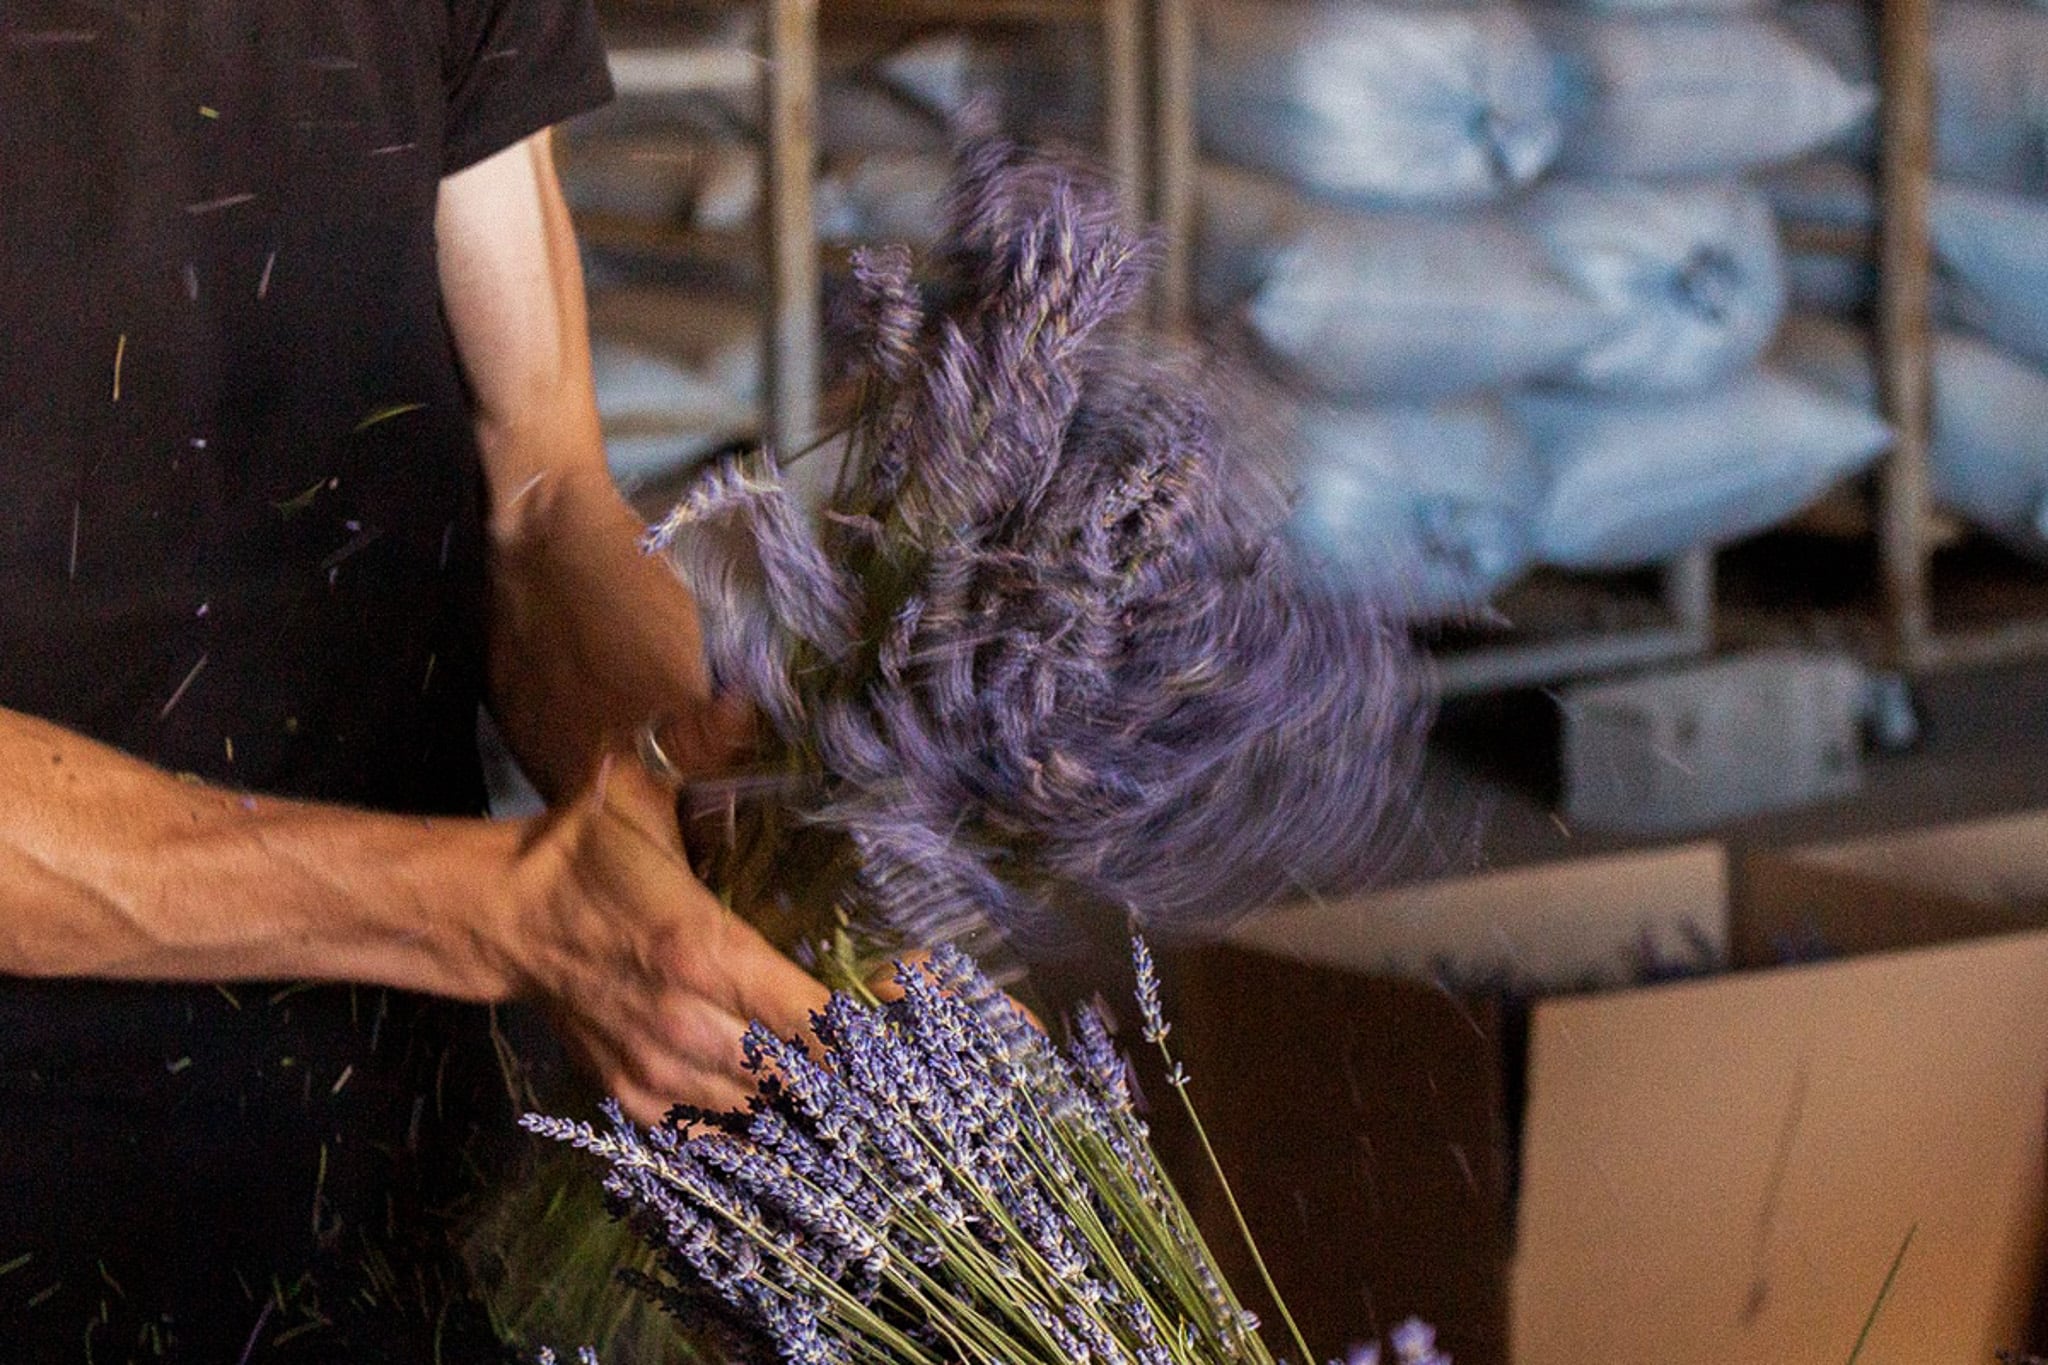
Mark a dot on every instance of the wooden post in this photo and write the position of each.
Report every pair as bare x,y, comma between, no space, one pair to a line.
1904,321
1689,596
1174,164
1123,87
791,246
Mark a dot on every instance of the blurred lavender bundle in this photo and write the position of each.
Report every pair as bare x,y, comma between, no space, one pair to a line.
944,1185
1041,651
1414,1343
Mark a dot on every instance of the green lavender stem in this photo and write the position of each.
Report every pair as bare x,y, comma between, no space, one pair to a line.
1179,1082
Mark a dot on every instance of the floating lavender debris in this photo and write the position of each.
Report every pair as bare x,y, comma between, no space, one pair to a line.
1040,650
943,1186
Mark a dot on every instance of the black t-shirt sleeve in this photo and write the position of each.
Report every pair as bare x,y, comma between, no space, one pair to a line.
514,67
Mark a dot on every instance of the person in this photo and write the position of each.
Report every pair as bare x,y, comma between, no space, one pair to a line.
300,462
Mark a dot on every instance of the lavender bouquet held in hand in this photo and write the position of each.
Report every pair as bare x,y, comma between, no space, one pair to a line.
943,1187
1032,657
1040,651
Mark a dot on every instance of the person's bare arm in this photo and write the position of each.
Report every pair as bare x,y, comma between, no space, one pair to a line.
111,868
590,637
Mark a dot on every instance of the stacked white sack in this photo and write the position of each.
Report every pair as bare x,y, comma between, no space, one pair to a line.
1668,440
1991,84
1347,223
1683,93
1989,460
1377,103
1428,507
1397,267
1636,481
1622,288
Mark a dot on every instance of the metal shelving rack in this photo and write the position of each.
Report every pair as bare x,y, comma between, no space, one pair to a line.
1905,635
786,71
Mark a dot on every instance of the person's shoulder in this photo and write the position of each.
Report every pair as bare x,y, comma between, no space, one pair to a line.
514,67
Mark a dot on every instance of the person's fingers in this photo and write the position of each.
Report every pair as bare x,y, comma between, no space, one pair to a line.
693,1057
768,986
695,1037
650,1107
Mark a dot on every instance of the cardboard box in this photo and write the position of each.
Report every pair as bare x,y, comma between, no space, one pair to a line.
1366,1109
1713,1170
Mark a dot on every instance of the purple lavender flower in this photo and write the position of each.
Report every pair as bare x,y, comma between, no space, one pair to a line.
935,1179
1147,974
1414,1343
1040,650
1096,1057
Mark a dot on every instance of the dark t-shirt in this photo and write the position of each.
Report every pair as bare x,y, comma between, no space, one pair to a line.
240,536
240,490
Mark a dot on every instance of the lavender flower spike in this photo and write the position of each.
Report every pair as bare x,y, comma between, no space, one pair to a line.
1040,640
1414,1343
1156,1027
933,1189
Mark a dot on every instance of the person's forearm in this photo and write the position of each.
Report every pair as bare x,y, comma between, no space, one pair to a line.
590,637
111,868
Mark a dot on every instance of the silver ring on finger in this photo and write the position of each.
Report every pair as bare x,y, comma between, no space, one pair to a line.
654,758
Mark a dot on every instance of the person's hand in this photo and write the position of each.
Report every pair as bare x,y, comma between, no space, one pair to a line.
649,979
695,739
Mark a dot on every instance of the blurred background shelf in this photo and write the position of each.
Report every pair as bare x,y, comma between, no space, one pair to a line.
1937,594
732,167
1556,626
828,101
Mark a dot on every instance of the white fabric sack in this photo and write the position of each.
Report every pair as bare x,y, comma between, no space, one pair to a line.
1377,103
1989,460
1990,76
1635,482
1993,250
1687,277
1426,508
1691,94
1359,305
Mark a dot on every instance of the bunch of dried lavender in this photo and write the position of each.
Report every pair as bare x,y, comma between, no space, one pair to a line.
944,1187
1033,655
1040,651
